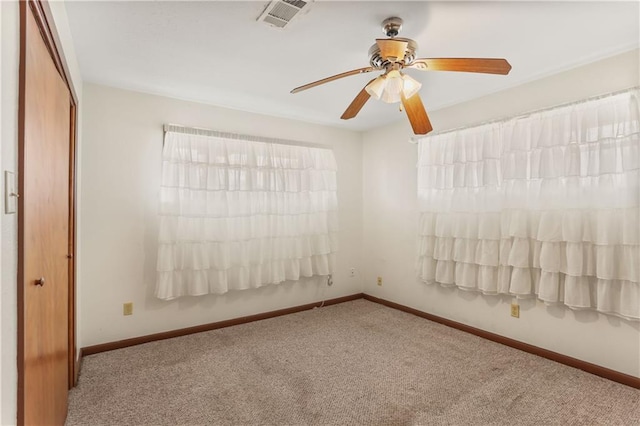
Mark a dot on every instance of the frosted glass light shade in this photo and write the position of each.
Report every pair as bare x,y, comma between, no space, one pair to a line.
388,87
392,91
410,86
376,87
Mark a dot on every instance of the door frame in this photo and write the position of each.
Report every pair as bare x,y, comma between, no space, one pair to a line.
44,18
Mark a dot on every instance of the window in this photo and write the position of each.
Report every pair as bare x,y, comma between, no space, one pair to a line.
543,206
236,213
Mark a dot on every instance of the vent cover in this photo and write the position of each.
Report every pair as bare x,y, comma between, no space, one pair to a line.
279,13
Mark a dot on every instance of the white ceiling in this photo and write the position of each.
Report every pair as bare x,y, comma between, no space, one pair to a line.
216,52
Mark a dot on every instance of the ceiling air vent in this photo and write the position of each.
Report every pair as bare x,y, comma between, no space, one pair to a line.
279,13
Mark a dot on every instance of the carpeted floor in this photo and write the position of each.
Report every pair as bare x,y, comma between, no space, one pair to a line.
353,363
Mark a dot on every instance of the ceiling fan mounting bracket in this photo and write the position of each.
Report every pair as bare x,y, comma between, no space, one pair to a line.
391,26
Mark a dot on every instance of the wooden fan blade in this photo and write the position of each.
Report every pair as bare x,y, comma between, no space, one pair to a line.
481,65
417,115
390,48
333,77
356,105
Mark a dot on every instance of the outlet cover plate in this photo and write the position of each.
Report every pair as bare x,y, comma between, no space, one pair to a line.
515,310
127,308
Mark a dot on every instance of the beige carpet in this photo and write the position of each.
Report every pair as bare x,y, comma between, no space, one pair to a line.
353,363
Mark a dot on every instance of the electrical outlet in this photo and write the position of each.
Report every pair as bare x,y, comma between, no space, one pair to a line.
352,272
515,310
127,308
380,281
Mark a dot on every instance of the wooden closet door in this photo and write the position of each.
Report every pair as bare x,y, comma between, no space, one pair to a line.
45,224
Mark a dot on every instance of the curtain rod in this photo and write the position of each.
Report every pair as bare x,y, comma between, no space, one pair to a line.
415,139
178,128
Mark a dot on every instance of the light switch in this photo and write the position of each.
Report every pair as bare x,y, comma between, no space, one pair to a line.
10,192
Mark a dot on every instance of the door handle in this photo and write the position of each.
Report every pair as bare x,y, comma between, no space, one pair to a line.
40,281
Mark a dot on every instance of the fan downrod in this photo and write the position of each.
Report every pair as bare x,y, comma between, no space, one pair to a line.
391,26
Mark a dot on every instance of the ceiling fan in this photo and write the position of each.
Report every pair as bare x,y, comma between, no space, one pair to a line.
394,54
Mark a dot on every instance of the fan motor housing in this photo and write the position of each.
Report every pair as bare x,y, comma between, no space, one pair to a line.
377,61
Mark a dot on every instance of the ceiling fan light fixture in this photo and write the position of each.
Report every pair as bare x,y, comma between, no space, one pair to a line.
388,87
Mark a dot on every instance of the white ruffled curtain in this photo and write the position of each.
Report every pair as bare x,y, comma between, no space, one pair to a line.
543,206
238,214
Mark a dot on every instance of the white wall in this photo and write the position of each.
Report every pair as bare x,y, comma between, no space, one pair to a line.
10,56
390,224
10,47
1,212
121,164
